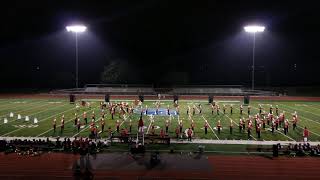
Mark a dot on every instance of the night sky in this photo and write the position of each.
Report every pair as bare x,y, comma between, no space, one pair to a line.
159,42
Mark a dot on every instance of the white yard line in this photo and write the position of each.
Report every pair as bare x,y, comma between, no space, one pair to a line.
38,121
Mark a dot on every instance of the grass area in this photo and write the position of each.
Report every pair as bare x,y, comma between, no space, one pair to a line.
45,110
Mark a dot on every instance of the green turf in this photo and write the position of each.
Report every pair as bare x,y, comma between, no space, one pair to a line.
45,110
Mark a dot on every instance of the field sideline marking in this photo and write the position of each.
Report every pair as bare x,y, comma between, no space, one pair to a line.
39,121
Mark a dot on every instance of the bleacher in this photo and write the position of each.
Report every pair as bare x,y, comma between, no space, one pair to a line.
124,89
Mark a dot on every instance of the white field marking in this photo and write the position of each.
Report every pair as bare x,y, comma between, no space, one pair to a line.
238,126
288,107
57,126
275,129
40,121
9,103
38,113
229,101
32,106
55,102
210,127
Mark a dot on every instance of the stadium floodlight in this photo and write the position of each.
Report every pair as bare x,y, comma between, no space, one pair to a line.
76,29
253,29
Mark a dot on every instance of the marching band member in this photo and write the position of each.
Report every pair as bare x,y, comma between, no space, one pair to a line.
219,126
54,124
167,126
206,127
231,126
118,125
102,123
260,109
85,117
78,124
305,134
286,126
62,125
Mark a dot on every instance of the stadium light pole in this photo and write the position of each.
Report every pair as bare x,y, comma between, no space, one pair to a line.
76,29
253,29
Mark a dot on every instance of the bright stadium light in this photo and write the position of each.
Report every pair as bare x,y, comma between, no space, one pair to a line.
76,29
253,29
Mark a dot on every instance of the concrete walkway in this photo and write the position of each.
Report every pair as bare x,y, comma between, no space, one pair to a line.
174,141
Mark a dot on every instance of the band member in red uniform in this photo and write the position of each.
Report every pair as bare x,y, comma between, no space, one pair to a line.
277,110
162,134
231,126
277,122
84,115
249,130
112,112
224,109
78,124
75,119
218,109
240,125
167,126
305,134
177,132
118,125
231,109
294,122
200,109
212,108
192,125
193,110
249,110
54,124
102,123
168,110
260,109
206,127
271,108
286,126
273,124
180,126
93,116
241,109
189,134
62,125
140,125
258,130
219,126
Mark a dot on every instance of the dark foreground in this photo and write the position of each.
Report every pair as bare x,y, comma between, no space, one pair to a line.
170,166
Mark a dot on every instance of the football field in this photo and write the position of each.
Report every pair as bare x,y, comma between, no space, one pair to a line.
45,110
